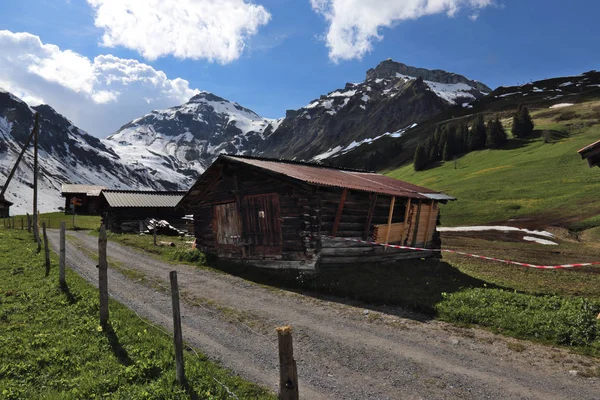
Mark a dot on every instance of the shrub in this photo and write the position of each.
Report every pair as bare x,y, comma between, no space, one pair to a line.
193,256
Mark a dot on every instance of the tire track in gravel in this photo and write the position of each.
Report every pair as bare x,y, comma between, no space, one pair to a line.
340,355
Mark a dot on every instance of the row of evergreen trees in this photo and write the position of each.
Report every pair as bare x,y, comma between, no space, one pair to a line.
455,139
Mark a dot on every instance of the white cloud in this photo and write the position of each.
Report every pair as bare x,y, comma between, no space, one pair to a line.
215,30
98,95
354,24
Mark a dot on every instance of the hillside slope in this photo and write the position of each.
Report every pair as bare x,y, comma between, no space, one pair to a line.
502,101
537,182
66,155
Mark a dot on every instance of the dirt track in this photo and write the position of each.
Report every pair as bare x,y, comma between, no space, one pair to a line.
342,352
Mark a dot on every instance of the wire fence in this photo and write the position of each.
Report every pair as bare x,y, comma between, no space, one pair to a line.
52,222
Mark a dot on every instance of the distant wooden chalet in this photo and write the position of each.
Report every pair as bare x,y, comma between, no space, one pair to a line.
286,214
85,198
5,208
591,153
122,210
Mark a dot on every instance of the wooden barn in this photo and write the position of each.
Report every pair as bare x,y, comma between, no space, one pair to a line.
286,214
5,207
87,198
591,153
122,210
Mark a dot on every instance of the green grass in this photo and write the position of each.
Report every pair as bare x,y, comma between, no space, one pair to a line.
528,178
180,253
52,346
54,219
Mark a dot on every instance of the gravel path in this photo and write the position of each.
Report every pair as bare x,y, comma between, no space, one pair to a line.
342,351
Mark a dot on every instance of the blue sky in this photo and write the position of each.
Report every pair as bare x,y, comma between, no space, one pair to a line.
284,56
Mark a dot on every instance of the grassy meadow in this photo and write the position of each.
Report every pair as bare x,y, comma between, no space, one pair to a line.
541,180
52,346
54,219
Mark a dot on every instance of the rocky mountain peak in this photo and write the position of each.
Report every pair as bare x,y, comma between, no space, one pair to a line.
389,69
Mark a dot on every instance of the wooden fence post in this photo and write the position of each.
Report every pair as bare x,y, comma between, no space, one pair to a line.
155,234
28,223
46,249
103,276
22,224
14,227
177,336
288,375
61,267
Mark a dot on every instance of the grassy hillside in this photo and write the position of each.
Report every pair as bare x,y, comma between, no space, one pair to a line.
538,181
52,346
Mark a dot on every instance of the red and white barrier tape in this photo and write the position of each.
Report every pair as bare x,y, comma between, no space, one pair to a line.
394,246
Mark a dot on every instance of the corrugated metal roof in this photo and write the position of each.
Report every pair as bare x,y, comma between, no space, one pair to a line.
135,199
589,147
342,178
89,190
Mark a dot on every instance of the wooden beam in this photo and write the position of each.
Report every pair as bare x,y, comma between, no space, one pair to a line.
406,226
416,230
338,215
370,216
426,240
389,224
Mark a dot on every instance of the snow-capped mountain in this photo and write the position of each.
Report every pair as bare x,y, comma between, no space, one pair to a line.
393,98
180,142
66,155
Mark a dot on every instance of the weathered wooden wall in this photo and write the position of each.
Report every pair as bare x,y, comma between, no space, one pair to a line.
307,215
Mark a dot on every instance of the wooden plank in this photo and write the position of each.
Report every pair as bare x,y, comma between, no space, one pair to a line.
338,214
416,225
393,202
382,258
370,216
427,223
177,335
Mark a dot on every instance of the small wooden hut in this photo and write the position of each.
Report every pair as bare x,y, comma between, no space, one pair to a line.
287,214
591,153
123,210
85,198
5,207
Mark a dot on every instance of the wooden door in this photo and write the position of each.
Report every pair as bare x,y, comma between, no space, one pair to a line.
227,225
262,225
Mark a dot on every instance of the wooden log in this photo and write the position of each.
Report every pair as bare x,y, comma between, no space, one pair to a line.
388,257
177,334
337,244
288,374
103,275
61,267
338,214
170,244
46,249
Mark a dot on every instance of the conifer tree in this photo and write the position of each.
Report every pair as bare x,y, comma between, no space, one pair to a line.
477,135
448,151
420,160
522,123
461,137
496,136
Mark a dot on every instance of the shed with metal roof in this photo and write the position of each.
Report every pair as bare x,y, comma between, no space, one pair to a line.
292,214
81,199
124,210
591,153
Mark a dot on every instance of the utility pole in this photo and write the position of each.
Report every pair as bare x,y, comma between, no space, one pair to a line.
36,231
